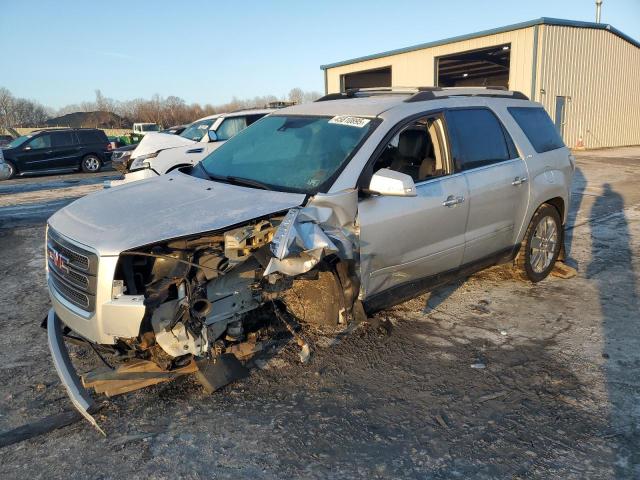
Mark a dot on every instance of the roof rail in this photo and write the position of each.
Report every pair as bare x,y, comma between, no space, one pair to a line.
369,92
421,94
435,93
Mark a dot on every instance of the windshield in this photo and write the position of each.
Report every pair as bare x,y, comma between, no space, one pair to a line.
197,130
16,142
289,153
150,128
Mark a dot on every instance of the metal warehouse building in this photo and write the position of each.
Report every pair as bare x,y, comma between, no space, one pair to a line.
587,75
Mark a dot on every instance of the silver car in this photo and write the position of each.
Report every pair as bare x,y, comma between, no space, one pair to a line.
320,213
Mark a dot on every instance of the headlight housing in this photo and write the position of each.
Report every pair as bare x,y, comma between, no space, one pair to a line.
141,161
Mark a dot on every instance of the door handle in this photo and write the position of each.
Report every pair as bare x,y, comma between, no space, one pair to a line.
519,181
452,201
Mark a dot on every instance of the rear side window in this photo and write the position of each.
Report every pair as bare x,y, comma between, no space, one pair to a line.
537,126
478,138
62,139
91,136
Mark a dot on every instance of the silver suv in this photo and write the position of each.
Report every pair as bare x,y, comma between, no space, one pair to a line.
323,213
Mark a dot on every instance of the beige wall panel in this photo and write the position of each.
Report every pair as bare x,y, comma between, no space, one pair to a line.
600,72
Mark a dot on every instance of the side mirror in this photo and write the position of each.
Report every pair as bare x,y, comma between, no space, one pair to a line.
27,148
392,183
213,137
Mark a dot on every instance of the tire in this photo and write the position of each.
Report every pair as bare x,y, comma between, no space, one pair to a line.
541,245
91,164
12,170
316,302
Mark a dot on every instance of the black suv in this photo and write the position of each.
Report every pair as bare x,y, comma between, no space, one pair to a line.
50,151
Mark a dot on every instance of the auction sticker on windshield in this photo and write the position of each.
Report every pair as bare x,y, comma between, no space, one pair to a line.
350,121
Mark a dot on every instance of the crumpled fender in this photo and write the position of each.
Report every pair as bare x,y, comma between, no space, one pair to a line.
325,226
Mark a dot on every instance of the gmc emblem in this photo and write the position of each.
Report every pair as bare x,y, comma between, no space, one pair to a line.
61,262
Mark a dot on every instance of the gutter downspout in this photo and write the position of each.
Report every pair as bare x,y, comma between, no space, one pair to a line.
534,64
326,89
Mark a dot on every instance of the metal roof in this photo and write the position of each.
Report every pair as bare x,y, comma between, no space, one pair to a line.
493,31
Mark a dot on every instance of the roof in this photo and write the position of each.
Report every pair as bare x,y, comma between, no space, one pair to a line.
361,106
493,31
375,102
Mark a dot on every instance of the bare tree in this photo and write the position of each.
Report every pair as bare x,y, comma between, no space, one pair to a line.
167,111
296,95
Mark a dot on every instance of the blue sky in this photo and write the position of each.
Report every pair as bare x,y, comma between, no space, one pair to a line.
58,52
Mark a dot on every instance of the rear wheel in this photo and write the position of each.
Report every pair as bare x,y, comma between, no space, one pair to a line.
541,245
91,164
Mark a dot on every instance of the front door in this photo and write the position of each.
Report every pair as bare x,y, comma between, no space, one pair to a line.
36,154
403,239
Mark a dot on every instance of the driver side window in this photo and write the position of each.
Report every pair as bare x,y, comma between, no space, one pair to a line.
418,150
43,141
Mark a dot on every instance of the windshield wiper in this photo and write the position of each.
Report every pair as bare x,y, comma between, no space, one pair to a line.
247,181
235,180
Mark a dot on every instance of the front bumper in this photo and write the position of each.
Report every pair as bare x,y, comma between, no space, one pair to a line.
4,171
142,174
80,397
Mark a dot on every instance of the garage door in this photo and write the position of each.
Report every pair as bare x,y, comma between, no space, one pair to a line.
475,68
380,77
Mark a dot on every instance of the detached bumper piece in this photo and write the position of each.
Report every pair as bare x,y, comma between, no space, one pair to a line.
79,396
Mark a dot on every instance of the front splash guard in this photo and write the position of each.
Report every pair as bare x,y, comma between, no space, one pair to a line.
79,396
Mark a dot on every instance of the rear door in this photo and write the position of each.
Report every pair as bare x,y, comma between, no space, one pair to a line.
65,150
404,239
496,178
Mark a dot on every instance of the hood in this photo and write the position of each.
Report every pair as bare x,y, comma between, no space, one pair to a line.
161,208
154,141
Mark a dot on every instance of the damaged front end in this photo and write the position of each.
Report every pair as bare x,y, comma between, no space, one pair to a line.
211,300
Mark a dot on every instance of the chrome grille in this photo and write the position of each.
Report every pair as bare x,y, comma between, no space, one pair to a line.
71,294
72,271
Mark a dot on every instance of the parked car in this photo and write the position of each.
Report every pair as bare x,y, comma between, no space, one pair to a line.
320,213
158,154
121,158
139,130
50,151
175,130
5,140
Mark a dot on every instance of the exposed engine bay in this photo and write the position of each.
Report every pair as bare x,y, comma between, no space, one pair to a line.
198,292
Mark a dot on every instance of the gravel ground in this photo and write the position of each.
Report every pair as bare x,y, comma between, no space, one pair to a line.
486,378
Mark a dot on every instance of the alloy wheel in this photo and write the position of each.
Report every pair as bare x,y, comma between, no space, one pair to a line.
543,244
